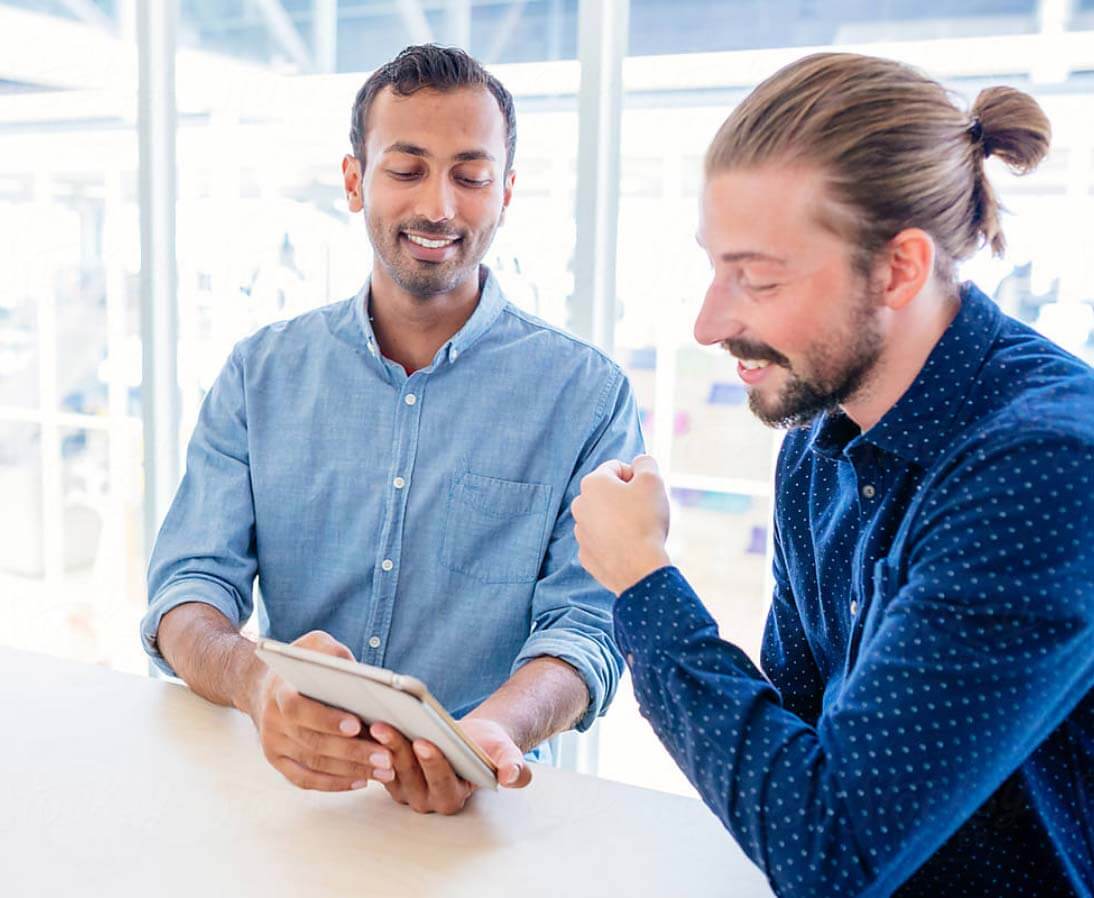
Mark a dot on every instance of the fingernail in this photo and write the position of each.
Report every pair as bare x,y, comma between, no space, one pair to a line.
381,737
379,759
384,776
424,752
360,784
349,726
511,776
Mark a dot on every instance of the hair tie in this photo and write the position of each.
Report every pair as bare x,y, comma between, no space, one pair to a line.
976,134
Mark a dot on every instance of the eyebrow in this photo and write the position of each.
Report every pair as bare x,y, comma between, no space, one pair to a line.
746,256
411,149
751,256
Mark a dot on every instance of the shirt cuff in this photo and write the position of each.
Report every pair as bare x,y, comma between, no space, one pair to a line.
193,589
660,618
547,644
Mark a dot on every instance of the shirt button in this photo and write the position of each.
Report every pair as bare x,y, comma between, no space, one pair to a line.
399,483
387,564
854,607
454,354
868,491
630,659
374,642
410,399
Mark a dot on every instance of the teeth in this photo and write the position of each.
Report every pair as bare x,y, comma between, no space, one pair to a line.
750,365
429,244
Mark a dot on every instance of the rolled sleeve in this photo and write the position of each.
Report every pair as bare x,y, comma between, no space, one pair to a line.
205,551
571,612
192,589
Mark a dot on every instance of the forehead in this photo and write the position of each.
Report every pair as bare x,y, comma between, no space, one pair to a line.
443,122
779,210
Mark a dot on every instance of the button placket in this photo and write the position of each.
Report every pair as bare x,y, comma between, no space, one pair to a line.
404,445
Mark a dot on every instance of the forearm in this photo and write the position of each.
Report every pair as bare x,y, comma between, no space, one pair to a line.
546,696
214,659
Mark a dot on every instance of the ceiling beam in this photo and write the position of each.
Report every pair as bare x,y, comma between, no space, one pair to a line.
284,32
416,23
504,32
88,12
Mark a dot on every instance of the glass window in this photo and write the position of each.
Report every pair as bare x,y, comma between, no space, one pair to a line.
263,229
693,26
70,452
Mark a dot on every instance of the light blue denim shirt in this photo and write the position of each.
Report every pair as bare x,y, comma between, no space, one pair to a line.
424,521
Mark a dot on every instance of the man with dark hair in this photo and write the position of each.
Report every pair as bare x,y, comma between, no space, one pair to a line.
397,470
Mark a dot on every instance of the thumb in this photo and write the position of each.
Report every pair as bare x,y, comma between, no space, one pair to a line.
320,641
513,772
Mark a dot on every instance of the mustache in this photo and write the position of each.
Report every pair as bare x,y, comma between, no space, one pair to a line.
760,352
432,228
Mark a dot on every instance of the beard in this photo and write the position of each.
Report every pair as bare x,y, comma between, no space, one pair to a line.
428,279
834,370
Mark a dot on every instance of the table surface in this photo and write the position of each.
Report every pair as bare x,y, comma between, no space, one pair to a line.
117,785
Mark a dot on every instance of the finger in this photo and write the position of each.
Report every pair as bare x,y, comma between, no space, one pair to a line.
335,754
301,776
513,773
645,464
447,792
395,791
320,641
313,715
613,468
404,765
359,750
523,778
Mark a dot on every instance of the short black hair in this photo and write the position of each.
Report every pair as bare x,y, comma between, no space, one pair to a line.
438,68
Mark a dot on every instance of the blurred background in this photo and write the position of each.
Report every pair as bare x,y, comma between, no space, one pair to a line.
205,137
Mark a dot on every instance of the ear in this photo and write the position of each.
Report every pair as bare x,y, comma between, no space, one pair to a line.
352,179
507,195
907,267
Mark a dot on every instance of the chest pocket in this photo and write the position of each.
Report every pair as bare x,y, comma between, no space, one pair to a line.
496,530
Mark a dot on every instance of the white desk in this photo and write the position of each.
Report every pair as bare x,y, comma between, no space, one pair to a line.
117,786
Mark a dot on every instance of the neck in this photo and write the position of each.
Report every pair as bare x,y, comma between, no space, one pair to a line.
911,334
409,328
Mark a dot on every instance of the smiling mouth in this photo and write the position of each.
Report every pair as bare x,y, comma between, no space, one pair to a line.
753,364
428,243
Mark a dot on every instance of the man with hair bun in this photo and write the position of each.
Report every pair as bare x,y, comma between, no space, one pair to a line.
923,720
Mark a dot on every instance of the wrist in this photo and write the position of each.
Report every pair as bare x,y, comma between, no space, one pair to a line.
251,672
645,564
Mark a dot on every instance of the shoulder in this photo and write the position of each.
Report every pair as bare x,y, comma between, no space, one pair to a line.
554,356
1029,384
293,334
562,345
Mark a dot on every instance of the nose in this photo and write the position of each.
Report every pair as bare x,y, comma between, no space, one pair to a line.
717,321
436,200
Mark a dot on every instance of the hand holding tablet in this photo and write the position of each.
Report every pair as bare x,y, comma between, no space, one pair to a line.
376,695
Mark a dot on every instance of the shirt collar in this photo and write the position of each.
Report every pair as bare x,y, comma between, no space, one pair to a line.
491,303
922,421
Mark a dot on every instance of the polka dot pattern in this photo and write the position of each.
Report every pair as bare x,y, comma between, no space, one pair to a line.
923,723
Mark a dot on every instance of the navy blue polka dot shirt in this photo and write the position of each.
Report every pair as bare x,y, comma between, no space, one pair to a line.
924,720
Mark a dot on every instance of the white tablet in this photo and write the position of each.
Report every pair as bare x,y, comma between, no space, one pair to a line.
380,696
